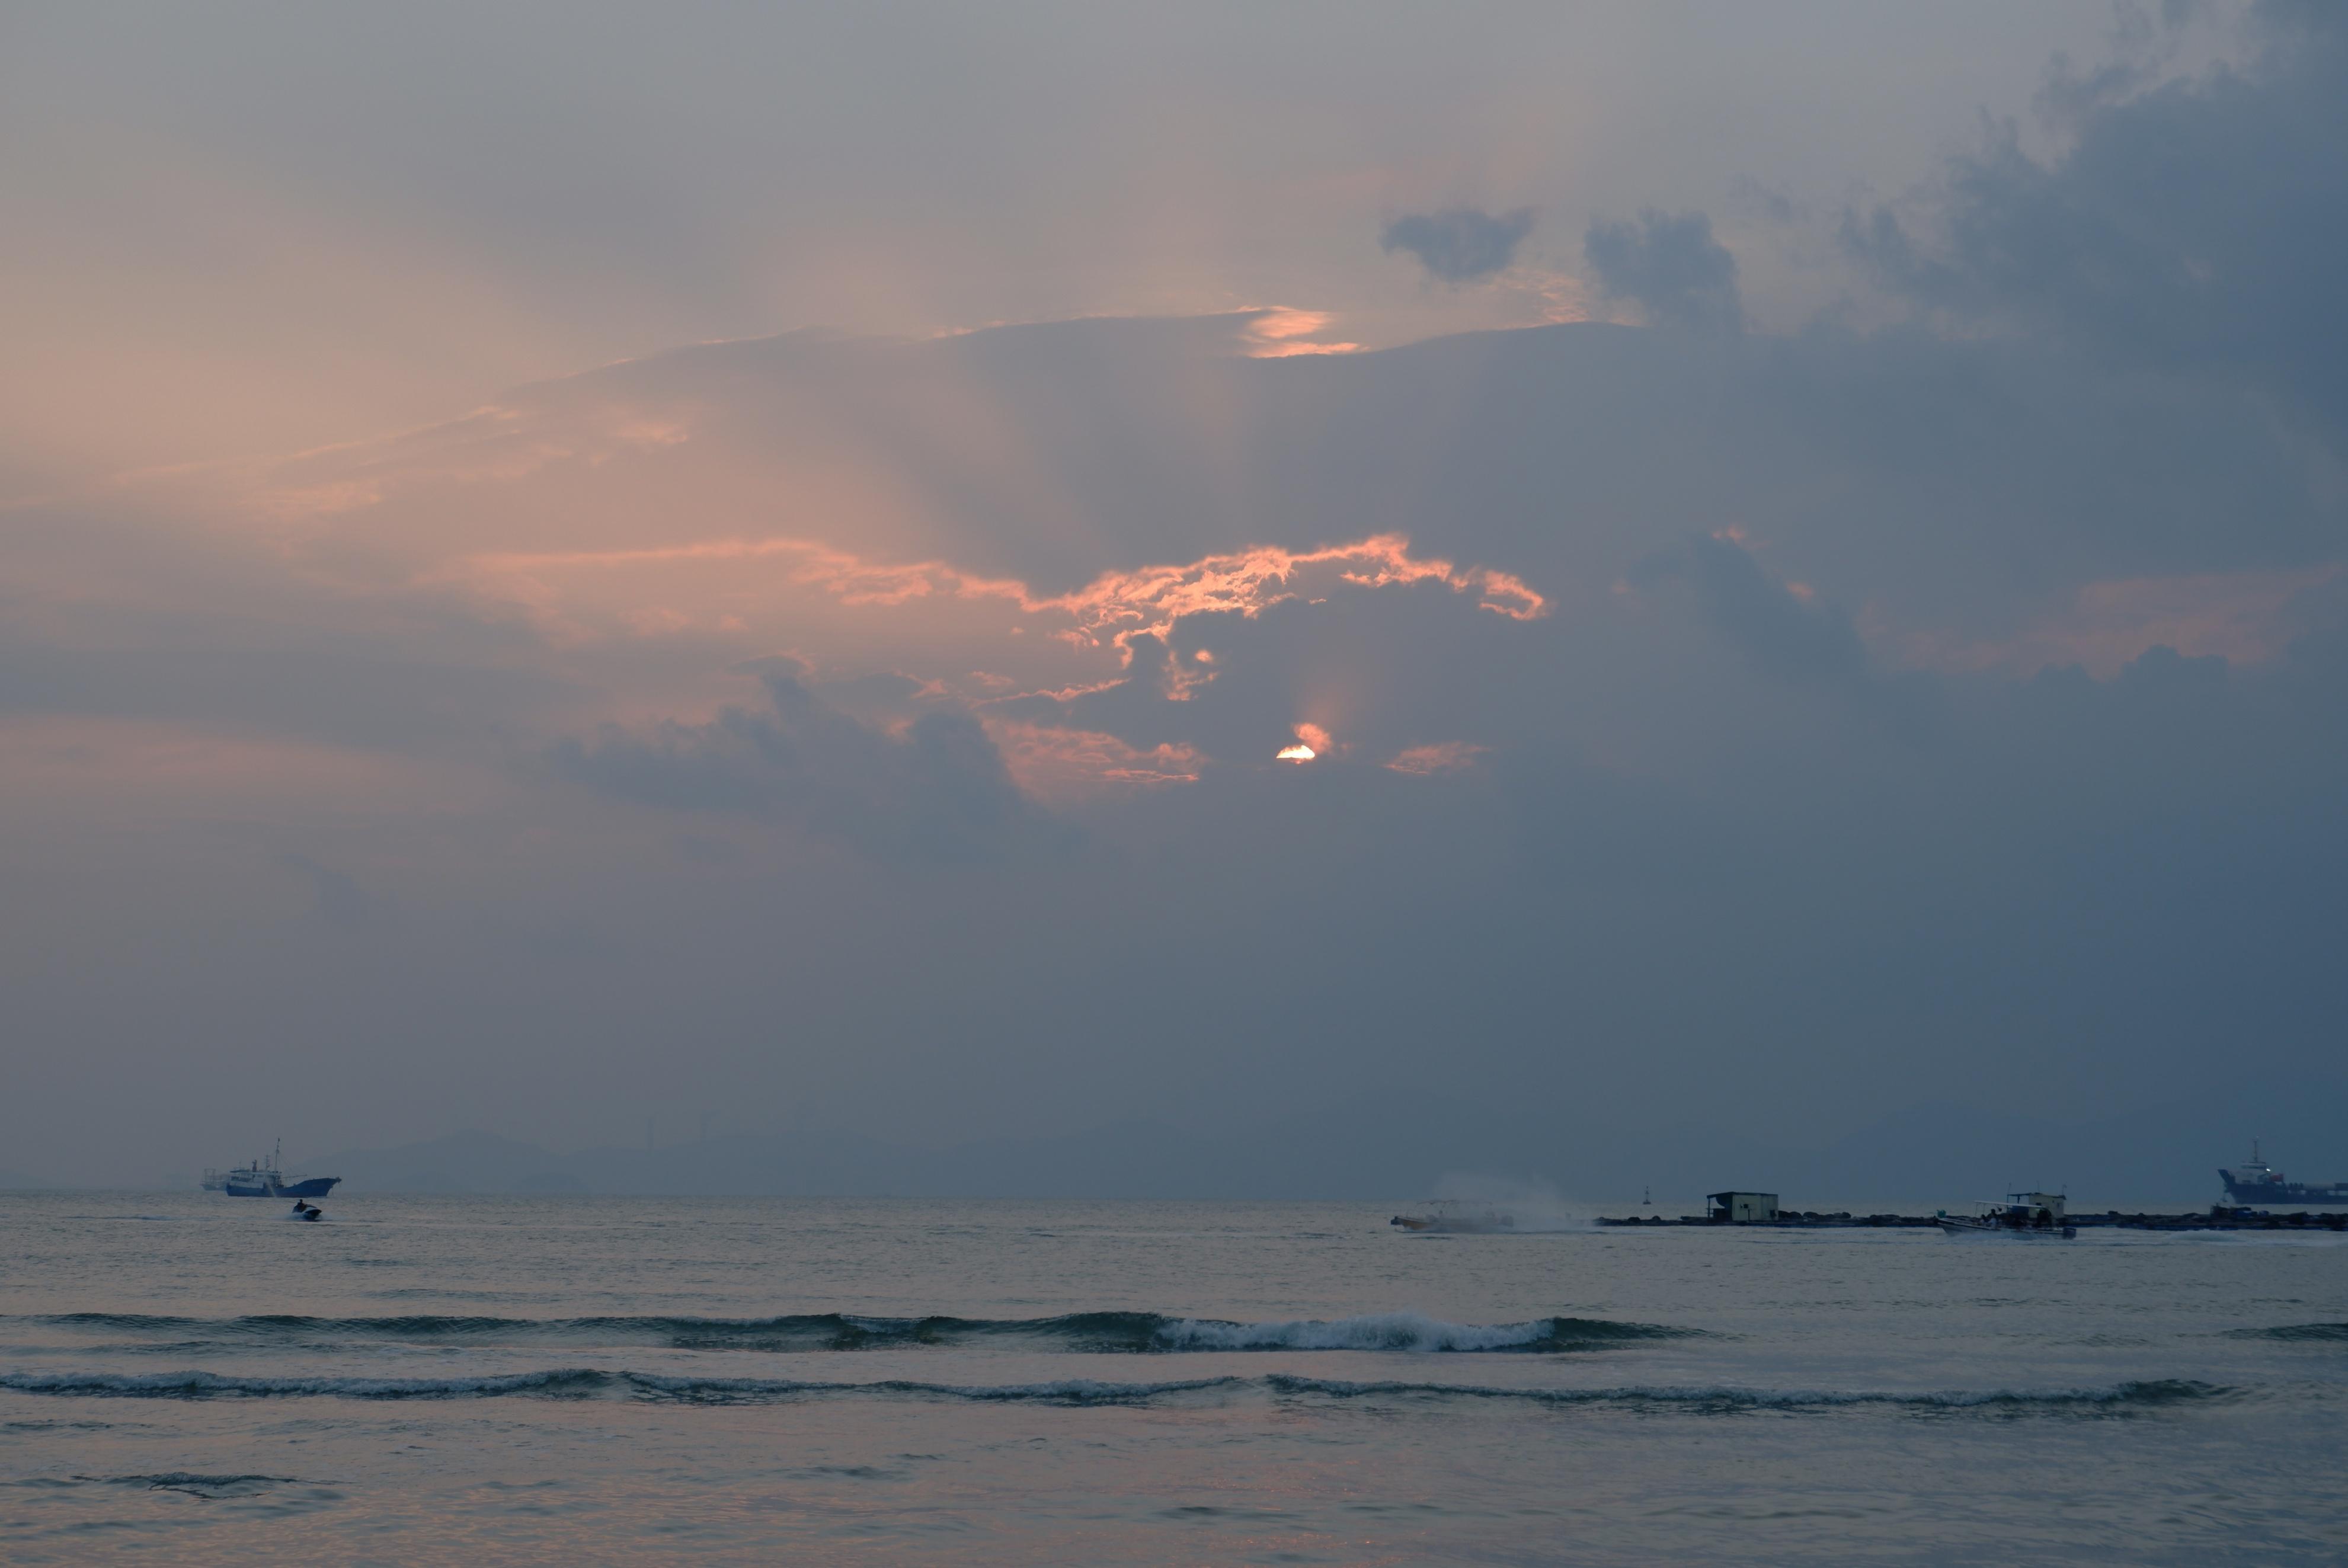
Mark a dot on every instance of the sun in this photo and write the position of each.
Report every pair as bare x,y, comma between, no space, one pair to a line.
1312,740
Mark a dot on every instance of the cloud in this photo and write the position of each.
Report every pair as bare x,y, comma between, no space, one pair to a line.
1282,334
937,791
1107,611
1783,628
2197,227
1672,266
1440,757
1074,765
2242,617
1459,244
1101,571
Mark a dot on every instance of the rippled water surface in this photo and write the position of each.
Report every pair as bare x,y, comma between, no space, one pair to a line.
190,1378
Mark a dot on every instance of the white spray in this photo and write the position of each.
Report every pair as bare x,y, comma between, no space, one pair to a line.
1528,1206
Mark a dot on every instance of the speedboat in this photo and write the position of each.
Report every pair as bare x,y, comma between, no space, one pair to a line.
1450,1216
2030,1215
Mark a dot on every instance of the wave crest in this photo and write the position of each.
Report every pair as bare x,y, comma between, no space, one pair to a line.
1113,1332
2335,1332
580,1382
1408,1331
2158,1391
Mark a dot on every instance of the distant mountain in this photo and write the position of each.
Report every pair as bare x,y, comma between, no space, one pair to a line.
1396,1146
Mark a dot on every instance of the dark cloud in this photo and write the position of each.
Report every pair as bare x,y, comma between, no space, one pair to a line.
1784,630
2199,227
1459,244
938,792
1672,266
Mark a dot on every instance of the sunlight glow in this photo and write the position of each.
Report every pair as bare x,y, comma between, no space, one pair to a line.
1295,754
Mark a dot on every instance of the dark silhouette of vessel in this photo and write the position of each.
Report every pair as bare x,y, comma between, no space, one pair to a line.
264,1179
2259,1183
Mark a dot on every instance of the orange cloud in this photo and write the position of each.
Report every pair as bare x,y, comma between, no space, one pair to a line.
1106,612
1150,599
1070,764
1280,333
1291,350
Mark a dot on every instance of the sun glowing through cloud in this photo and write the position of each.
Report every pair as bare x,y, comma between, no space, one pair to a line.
1312,741
1282,333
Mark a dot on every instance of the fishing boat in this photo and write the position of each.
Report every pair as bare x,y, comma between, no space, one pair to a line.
267,1179
2031,1215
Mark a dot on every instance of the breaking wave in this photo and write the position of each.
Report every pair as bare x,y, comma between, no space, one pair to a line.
1129,1332
583,1383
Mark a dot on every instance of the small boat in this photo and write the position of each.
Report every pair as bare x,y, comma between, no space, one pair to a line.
2031,1215
1450,1216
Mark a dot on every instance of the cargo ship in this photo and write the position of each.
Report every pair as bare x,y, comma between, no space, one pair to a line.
2259,1183
264,1179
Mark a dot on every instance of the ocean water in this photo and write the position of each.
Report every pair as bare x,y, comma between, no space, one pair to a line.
192,1378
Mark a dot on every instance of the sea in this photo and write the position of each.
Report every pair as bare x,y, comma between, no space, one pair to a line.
189,1379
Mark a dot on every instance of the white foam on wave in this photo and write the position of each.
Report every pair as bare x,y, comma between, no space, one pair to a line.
1373,1331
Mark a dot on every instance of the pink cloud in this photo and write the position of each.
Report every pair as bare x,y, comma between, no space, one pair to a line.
1058,765
1106,612
1442,756
1280,333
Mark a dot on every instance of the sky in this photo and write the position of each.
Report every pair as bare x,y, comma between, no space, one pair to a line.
966,574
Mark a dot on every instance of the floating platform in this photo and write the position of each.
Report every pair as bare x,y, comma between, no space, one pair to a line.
2216,1219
